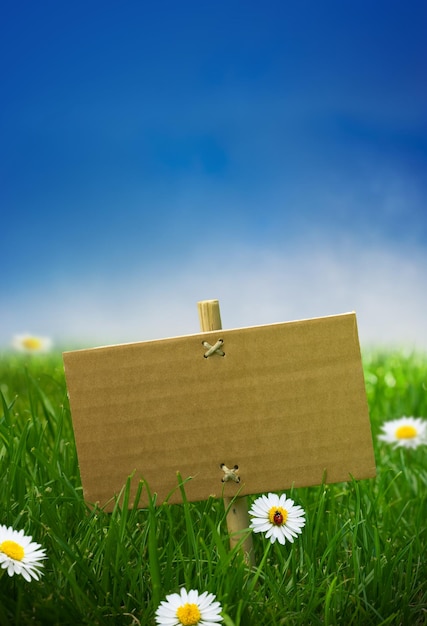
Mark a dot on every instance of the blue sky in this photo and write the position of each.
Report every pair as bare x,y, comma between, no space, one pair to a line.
271,155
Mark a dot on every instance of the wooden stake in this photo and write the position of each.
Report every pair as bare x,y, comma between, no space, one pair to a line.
237,516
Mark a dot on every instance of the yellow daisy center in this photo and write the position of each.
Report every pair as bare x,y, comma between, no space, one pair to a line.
406,432
12,549
32,343
189,614
277,515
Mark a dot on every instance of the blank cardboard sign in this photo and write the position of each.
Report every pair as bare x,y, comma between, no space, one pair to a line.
286,403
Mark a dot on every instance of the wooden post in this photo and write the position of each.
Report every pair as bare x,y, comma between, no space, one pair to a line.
237,516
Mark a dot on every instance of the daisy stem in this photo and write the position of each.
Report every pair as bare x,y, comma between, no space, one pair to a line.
259,569
19,603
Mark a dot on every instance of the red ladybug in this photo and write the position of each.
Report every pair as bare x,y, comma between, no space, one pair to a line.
278,518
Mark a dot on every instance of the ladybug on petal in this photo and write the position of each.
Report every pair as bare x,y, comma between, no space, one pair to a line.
278,518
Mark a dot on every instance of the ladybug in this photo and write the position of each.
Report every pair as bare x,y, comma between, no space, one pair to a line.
278,518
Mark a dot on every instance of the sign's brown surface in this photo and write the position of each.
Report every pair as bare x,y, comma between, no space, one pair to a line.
286,403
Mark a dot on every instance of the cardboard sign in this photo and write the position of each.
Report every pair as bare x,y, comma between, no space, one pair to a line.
285,402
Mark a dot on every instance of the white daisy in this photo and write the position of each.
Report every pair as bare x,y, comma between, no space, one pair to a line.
406,432
189,609
277,517
19,554
31,343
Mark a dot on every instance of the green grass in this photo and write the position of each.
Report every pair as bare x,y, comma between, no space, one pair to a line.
361,558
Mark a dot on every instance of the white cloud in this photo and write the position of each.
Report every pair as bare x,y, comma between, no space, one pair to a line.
386,288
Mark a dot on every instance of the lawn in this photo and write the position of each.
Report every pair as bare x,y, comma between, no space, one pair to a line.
360,559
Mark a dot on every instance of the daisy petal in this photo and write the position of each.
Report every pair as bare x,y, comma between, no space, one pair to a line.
170,611
277,517
19,554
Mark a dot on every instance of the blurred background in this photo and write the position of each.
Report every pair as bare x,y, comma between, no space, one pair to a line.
272,155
